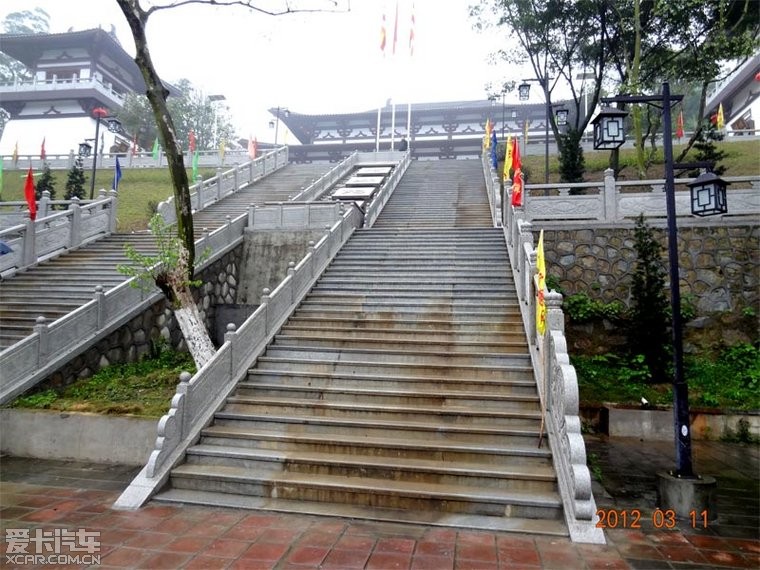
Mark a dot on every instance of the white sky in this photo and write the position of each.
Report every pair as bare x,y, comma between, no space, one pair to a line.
309,63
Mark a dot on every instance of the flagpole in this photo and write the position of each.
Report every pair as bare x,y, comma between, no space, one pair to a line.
393,124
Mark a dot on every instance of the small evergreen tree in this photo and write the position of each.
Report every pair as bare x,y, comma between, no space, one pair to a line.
46,182
706,149
572,164
650,314
75,181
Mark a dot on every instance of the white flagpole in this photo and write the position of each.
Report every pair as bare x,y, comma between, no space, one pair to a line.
393,83
409,76
383,38
377,133
393,124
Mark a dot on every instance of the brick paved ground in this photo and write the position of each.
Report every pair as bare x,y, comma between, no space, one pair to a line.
50,494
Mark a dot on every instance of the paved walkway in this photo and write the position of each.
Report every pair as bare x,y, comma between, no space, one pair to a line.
43,496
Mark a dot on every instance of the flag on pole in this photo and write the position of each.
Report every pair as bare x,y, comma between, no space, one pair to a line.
383,35
195,166
116,175
222,150
395,30
191,141
15,155
508,155
494,159
487,136
721,122
411,33
525,132
134,145
252,147
517,181
29,194
541,270
679,125
156,149
43,154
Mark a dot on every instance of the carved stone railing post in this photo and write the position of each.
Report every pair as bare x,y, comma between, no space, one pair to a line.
610,207
41,328
100,301
112,213
75,232
219,183
43,204
251,215
29,246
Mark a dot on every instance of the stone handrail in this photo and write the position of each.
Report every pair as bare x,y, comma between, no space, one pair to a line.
555,376
294,215
327,180
51,345
36,240
611,200
402,160
207,192
199,396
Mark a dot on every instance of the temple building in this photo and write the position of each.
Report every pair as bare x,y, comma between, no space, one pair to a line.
438,130
73,74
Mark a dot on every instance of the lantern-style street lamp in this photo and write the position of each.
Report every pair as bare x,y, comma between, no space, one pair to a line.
113,125
561,116
707,197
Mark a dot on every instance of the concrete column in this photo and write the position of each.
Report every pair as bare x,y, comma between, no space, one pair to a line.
75,233
610,209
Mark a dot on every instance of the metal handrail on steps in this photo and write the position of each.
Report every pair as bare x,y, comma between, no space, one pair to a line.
555,376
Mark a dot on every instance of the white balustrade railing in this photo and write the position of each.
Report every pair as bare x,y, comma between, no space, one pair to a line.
555,376
207,192
611,200
402,161
199,396
327,180
32,241
53,344
294,215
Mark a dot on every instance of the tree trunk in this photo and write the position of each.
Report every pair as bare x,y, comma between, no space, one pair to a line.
196,336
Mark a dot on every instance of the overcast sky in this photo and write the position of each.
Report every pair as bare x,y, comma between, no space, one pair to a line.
309,63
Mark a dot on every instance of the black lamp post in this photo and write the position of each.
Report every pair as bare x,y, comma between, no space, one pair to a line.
275,124
113,125
608,134
523,91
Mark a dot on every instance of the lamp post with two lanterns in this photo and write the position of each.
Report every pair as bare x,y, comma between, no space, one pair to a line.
708,196
113,125
561,115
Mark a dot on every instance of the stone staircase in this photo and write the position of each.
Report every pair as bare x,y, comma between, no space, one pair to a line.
400,389
62,284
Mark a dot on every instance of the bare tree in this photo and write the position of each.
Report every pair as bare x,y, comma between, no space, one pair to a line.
177,286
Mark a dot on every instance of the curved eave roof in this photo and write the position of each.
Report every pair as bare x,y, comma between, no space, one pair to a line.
28,49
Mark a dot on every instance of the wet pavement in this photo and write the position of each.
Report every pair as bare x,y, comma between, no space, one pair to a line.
44,500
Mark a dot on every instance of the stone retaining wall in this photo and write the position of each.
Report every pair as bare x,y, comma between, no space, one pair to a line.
134,339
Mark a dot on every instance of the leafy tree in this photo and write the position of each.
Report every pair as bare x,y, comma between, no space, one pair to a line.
178,289
706,149
650,316
75,181
46,182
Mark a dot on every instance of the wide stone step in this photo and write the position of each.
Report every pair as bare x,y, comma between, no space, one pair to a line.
442,337
374,396
407,298
414,288
525,417
390,367
517,449
306,461
420,343
547,527
517,382
368,491
425,318
519,357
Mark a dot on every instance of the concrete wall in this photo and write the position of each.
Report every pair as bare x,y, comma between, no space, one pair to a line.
265,259
77,437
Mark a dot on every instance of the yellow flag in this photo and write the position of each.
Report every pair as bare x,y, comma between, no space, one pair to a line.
721,121
540,301
487,136
507,158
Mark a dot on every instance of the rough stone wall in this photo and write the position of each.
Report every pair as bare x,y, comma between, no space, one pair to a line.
719,264
133,340
720,274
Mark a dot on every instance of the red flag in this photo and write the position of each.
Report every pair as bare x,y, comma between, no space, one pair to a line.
134,145
517,182
411,34
382,35
191,144
29,194
395,30
43,155
679,125
252,147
